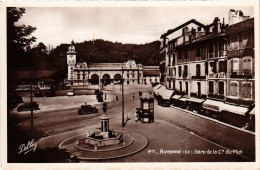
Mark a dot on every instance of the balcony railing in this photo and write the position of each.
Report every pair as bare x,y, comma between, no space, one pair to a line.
243,74
198,58
213,75
179,60
210,55
198,77
185,59
217,96
222,75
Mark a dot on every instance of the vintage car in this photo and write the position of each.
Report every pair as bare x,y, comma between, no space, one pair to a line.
27,106
87,109
70,92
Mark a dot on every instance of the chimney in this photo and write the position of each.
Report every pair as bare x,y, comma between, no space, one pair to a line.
216,25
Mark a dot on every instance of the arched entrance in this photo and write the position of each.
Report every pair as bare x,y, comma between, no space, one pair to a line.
106,79
94,79
117,79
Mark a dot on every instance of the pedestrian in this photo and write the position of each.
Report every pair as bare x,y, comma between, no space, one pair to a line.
116,97
105,96
133,96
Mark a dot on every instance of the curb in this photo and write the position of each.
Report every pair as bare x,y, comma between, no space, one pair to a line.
214,120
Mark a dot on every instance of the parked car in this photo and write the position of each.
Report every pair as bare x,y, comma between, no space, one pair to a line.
27,106
70,92
87,109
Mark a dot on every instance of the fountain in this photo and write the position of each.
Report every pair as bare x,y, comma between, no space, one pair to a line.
104,137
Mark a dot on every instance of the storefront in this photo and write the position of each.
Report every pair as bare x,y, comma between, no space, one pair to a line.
164,97
234,115
212,108
195,104
174,99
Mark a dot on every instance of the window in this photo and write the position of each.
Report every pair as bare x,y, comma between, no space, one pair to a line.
198,52
234,65
247,39
198,70
133,74
186,55
187,88
179,55
83,76
199,28
179,71
78,76
211,87
222,66
199,89
246,90
234,42
247,64
155,80
180,86
174,71
185,73
221,88
233,88
211,48
169,60
173,59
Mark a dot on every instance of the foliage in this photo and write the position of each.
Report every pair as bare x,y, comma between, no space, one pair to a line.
18,38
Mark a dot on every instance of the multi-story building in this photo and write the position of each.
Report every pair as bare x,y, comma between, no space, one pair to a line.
211,65
82,73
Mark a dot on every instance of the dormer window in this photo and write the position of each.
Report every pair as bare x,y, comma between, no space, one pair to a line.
199,28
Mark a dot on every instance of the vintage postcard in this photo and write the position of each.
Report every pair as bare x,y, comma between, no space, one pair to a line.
127,85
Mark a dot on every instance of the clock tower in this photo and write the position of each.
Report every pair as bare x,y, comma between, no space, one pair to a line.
71,61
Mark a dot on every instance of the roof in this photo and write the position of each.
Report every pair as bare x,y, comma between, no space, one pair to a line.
151,72
146,95
166,93
183,25
34,74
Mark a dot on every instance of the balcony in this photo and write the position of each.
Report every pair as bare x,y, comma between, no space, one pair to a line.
223,53
222,75
217,96
198,77
210,55
243,75
179,60
213,75
198,58
186,60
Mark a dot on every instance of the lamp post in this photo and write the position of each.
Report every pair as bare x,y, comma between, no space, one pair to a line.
123,114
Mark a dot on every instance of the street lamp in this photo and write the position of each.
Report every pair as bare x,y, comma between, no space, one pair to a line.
122,81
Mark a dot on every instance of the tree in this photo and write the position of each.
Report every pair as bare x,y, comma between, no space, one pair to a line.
19,38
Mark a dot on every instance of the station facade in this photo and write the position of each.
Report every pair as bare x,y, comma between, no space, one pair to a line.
82,73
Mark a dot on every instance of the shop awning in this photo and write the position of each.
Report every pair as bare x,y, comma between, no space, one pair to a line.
234,109
183,99
157,87
160,90
212,105
252,112
197,100
176,96
166,94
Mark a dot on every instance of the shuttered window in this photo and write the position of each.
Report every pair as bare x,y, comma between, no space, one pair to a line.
247,39
235,65
198,70
221,87
233,88
247,64
179,71
246,90
211,87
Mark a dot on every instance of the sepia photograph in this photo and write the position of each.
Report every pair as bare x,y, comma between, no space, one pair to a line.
95,83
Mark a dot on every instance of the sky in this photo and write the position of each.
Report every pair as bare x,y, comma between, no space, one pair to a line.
57,25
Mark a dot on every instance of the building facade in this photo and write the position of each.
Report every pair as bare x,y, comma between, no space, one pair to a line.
82,73
213,63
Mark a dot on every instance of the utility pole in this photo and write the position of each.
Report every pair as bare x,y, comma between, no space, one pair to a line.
123,114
